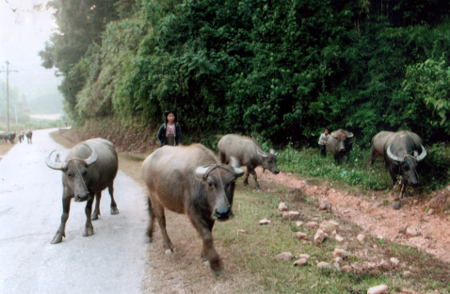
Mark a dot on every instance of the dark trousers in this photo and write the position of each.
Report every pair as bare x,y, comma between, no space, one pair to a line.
323,150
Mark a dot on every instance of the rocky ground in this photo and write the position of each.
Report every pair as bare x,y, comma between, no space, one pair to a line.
418,223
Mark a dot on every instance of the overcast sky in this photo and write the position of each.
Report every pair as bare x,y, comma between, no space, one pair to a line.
23,33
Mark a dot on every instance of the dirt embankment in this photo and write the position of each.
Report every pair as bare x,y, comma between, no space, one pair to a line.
420,222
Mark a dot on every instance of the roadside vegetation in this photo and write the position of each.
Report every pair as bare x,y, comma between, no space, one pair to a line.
282,70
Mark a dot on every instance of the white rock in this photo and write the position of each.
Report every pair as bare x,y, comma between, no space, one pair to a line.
300,262
334,224
339,238
326,227
282,207
301,236
299,223
394,260
412,231
323,265
378,289
284,256
305,256
340,253
361,237
431,211
264,222
325,206
338,259
293,214
347,269
319,237
406,274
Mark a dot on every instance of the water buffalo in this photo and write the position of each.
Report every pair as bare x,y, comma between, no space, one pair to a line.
190,180
248,152
28,134
90,167
401,151
339,144
3,136
21,136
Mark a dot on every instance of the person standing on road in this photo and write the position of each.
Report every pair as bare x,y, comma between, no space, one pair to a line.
170,131
323,142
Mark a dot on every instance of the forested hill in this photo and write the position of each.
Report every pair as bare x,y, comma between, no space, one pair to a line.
280,70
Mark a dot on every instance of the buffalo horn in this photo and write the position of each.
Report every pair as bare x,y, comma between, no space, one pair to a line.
201,170
237,168
92,158
262,154
392,156
53,164
422,155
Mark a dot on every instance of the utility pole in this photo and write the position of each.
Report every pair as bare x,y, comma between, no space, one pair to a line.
7,93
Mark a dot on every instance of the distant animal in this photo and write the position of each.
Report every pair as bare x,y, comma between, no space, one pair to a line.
21,136
190,180
89,168
339,144
10,136
402,151
248,152
3,136
28,134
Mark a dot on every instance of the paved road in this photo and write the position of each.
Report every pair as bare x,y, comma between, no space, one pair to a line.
111,261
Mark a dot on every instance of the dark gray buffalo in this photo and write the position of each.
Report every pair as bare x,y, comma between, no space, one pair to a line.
3,136
21,136
29,135
401,151
90,167
248,152
339,144
190,180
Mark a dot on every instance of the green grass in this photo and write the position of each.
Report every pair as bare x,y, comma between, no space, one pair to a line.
255,251
433,171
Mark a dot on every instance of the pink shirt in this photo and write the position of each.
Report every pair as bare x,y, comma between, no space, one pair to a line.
170,130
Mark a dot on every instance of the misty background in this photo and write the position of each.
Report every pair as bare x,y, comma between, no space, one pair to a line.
25,26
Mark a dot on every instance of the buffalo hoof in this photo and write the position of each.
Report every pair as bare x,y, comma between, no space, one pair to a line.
114,210
396,205
94,216
57,239
169,251
88,232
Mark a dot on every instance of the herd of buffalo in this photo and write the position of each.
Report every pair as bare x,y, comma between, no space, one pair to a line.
192,180
10,136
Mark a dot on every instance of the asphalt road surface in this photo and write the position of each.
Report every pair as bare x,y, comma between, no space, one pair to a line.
113,260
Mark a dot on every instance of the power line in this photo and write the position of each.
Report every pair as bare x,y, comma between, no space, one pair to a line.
7,93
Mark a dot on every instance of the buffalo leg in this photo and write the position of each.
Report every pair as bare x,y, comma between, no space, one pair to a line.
89,229
158,210
151,222
204,228
247,173
223,158
255,178
114,209
96,213
64,217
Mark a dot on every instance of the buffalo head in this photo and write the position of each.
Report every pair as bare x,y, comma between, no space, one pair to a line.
269,161
220,183
75,174
407,165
